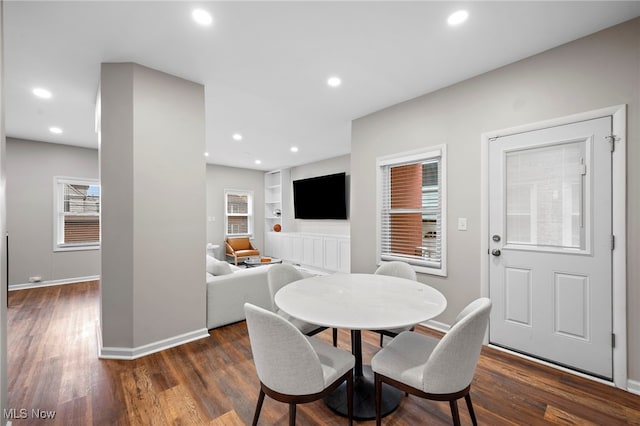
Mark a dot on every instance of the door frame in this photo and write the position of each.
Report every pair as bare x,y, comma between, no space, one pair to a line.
619,218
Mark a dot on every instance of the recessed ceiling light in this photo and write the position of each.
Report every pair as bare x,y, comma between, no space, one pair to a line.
334,81
457,18
237,137
41,93
294,149
56,130
202,17
206,154
258,162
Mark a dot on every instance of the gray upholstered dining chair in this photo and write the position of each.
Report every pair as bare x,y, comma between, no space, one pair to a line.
437,369
280,275
293,368
400,270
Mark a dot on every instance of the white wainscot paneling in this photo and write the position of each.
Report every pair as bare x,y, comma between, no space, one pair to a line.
322,252
273,244
312,250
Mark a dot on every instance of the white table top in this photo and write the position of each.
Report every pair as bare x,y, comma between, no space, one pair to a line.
360,301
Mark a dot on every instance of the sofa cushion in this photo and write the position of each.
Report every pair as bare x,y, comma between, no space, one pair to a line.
227,294
247,253
217,267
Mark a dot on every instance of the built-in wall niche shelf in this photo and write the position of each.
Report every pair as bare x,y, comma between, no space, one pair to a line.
276,190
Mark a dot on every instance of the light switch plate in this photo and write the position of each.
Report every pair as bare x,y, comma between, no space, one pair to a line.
462,224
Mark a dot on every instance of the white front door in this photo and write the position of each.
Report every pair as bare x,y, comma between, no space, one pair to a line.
551,239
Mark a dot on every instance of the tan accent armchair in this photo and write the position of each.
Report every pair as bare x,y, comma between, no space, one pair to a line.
240,247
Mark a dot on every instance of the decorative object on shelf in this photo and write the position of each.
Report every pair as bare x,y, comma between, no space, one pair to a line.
277,212
277,227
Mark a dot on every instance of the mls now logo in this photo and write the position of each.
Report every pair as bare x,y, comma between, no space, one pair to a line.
23,413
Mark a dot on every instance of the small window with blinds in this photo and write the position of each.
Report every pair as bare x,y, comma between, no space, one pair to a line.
238,212
77,221
411,209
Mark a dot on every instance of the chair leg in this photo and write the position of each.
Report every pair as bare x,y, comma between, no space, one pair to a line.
350,398
378,390
381,339
454,412
467,398
258,408
292,414
335,337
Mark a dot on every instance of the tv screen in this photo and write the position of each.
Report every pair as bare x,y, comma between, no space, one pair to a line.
322,197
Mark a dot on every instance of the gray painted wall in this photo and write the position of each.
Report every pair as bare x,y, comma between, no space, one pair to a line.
591,73
220,178
31,167
153,206
3,232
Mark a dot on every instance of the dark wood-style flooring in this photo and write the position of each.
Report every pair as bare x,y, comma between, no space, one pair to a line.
53,366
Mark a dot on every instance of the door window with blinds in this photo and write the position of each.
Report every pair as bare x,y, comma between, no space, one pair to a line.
77,214
411,209
545,188
238,212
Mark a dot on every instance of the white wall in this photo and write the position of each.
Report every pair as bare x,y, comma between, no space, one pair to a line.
591,73
220,178
31,167
319,168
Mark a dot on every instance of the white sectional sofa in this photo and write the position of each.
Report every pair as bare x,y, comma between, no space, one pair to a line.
229,287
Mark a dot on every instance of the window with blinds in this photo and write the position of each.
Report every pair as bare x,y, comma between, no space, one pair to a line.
238,212
411,209
77,214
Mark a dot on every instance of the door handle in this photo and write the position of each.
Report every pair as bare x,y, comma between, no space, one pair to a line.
495,252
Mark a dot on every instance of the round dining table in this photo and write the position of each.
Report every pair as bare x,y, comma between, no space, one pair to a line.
361,302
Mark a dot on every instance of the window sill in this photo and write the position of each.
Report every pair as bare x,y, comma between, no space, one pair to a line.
429,271
419,268
76,247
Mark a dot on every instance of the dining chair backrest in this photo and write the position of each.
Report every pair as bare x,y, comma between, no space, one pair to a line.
285,360
397,269
278,276
452,364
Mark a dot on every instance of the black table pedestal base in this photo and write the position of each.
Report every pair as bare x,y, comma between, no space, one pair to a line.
364,401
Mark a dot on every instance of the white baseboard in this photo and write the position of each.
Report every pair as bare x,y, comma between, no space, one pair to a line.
633,386
150,348
25,286
436,325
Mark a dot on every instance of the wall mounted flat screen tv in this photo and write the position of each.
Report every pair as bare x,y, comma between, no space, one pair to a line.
322,197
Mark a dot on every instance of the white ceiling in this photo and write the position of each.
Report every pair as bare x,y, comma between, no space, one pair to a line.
264,64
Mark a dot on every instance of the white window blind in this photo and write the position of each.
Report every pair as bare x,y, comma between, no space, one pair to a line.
544,196
77,214
411,210
238,212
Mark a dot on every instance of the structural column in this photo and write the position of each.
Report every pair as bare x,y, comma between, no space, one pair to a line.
153,177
